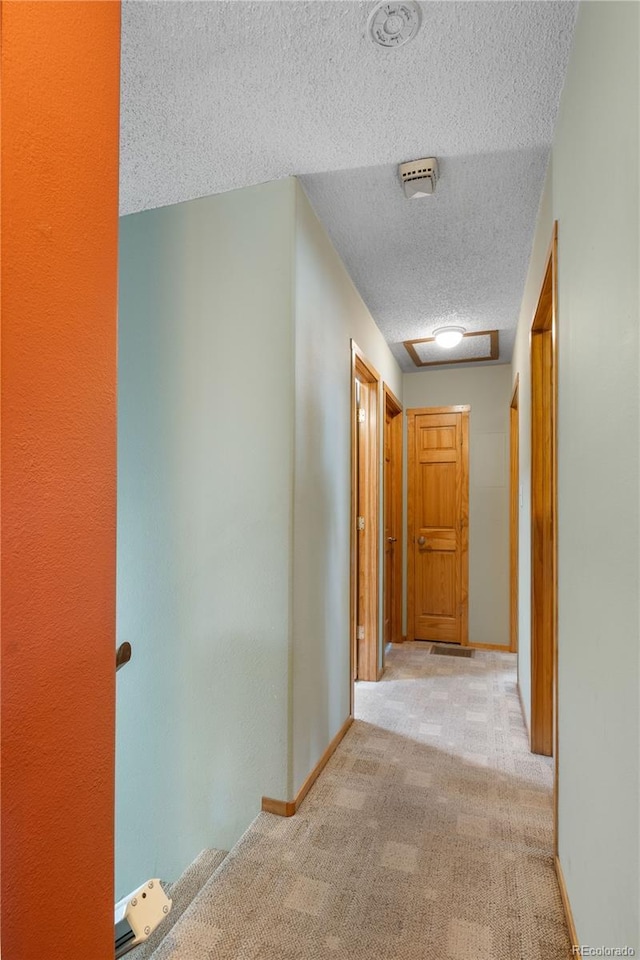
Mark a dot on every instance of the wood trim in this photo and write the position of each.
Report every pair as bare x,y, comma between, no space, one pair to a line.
501,647
543,359
369,372
353,602
494,349
465,410
391,400
394,407
381,673
280,808
553,256
287,808
364,655
514,512
464,533
411,562
566,903
460,408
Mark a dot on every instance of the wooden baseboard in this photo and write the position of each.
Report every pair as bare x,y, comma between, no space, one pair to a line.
287,808
281,808
504,647
568,912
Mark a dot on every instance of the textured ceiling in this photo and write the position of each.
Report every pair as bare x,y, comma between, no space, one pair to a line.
219,95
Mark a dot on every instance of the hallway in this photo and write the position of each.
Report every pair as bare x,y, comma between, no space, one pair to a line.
429,835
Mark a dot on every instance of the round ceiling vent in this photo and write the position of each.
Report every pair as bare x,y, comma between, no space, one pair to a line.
392,24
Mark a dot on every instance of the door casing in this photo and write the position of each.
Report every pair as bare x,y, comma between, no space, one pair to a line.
544,514
365,502
514,512
392,493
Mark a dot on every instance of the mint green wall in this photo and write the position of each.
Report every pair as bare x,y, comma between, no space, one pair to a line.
598,470
598,474
205,478
328,313
236,319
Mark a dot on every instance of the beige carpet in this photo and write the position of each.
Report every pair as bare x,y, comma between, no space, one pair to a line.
182,893
427,837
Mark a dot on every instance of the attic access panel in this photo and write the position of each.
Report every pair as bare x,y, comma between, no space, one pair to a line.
474,347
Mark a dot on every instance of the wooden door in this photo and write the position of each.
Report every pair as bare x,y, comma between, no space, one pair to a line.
392,488
388,529
514,513
438,514
544,513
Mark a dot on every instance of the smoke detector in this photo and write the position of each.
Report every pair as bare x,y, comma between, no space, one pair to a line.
419,177
392,24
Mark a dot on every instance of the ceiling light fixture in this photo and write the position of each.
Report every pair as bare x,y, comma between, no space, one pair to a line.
392,24
448,337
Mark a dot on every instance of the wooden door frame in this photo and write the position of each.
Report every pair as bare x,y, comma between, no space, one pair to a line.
544,512
465,410
364,371
393,406
514,512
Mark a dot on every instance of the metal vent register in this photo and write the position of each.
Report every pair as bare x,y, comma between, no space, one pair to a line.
452,651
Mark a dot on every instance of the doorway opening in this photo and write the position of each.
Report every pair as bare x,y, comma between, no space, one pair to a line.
392,540
514,512
544,521
365,517
438,524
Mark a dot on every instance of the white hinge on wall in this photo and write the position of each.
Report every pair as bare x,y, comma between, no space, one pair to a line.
362,416
360,523
360,633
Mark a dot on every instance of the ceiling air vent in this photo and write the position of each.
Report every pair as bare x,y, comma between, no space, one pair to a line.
419,177
392,24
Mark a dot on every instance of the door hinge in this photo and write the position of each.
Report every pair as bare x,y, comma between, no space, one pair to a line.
362,416
360,523
359,633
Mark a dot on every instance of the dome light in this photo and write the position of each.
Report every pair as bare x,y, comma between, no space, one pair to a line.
448,337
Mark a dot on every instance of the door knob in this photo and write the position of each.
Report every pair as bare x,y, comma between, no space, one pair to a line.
422,541
392,539
123,655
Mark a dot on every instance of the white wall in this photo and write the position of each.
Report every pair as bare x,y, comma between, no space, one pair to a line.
329,312
598,463
521,367
488,391
205,486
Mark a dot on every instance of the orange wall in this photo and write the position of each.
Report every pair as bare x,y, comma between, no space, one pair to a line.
60,106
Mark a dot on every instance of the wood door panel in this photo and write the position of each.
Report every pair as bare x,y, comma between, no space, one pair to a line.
437,438
441,540
437,495
438,586
438,525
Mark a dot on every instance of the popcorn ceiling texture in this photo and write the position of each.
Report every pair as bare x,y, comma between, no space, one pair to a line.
220,95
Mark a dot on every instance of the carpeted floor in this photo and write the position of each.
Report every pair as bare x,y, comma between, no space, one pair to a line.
427,837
